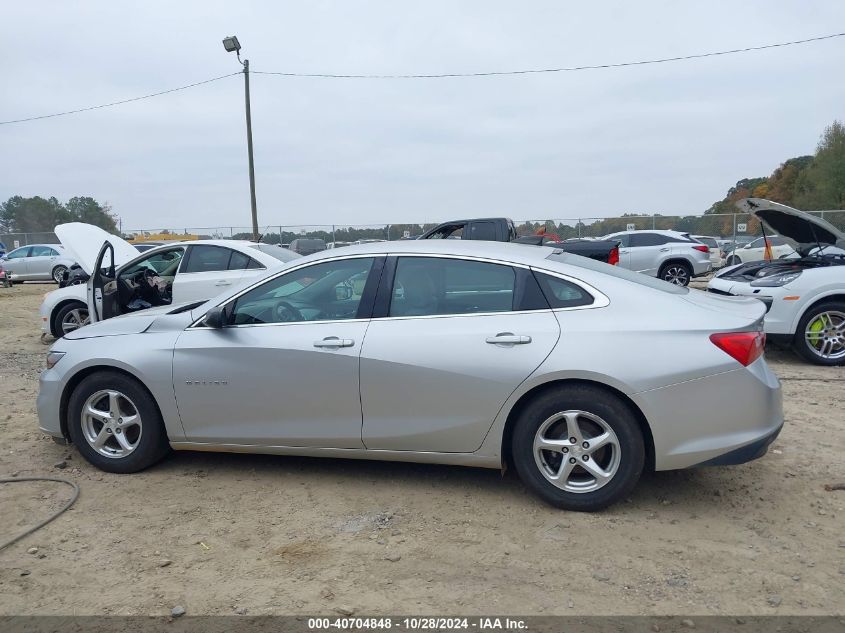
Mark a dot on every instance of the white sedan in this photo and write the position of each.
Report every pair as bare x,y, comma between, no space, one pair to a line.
756,251
805,293
179,271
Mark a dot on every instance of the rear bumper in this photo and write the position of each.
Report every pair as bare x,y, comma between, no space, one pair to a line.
746,453
701,268
687,433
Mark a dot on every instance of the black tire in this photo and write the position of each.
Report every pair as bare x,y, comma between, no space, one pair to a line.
58,273
152,444
597,402
800,343
57,326
733,260
676,272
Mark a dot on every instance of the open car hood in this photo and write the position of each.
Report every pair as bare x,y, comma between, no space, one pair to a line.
84,241
803,231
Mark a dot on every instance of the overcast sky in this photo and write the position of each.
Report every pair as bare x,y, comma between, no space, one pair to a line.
668,138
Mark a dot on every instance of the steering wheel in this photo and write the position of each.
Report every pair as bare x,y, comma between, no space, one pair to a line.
286,313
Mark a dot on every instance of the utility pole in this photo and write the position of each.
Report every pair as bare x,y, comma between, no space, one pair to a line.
232,45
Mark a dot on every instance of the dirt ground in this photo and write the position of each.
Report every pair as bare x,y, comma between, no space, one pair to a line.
224,534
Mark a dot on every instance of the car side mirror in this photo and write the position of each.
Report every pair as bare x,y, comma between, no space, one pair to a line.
216,318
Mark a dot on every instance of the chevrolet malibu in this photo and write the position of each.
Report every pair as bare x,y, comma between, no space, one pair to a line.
579,374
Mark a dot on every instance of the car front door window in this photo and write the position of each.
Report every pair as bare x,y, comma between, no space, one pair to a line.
328,291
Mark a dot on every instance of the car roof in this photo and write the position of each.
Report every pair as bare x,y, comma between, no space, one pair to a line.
515,253
657,231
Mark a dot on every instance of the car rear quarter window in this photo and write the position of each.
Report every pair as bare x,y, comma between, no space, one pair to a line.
482,231
561,293
242,261
618,272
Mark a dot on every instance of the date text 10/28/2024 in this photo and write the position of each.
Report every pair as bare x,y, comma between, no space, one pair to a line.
418,623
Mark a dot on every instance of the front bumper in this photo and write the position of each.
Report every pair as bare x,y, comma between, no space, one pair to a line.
781,303
48,403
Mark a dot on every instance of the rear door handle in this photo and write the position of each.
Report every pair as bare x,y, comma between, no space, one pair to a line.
332,342
507,338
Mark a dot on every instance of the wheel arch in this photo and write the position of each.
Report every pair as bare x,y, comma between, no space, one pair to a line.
81,375
528,396
54,313
674,259
833,295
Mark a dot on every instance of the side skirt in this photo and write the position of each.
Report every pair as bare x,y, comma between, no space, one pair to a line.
453,459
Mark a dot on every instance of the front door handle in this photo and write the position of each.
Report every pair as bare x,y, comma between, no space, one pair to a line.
332,342
222,282
664,250
507,338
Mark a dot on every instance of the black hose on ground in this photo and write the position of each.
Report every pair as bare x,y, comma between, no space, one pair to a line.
11,480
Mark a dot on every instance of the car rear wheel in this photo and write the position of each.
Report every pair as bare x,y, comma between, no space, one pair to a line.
59,273
678,273
115,424
820,337
578,448
71,317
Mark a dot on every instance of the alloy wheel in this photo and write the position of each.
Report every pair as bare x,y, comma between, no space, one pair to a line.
58,274
577,451
825,335
111,423
677,275
74,320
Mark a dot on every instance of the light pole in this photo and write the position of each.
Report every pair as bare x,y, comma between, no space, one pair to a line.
232,45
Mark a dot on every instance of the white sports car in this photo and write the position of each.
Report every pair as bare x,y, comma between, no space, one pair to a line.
176,272
805,295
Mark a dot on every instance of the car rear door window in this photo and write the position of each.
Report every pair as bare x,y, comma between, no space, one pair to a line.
647,239
427,286
482,231
205,258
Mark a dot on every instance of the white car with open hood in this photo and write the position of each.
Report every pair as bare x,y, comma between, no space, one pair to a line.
804,294
179,272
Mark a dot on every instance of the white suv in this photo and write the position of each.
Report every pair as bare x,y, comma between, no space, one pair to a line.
178,272
669,255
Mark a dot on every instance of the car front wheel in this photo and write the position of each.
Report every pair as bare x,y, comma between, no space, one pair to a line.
70,318
820,337
578,447
115,424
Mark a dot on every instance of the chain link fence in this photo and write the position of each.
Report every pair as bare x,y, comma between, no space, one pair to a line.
730,226
16,240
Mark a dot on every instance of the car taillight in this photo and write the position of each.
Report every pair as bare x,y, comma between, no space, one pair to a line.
702,248
613,258
745,347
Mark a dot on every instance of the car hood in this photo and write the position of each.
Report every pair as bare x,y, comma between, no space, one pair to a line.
160,318
83,243
803,231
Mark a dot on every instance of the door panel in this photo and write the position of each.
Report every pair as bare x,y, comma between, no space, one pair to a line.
205,274
269,385
436,384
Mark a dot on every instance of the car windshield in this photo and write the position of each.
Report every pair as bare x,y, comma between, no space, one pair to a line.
620,273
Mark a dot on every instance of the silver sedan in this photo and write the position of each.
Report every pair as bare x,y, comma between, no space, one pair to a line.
38,262
579,374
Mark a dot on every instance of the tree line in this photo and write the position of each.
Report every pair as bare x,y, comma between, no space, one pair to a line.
811,183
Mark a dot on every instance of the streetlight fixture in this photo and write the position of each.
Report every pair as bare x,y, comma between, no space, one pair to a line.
232,45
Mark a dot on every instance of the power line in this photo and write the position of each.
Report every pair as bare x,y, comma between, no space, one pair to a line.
556,70
115,103
439,75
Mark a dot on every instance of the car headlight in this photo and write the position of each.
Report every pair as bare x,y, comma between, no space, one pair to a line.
53,358
780,279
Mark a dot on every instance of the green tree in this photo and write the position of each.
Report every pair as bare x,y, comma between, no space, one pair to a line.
823,184
37,214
